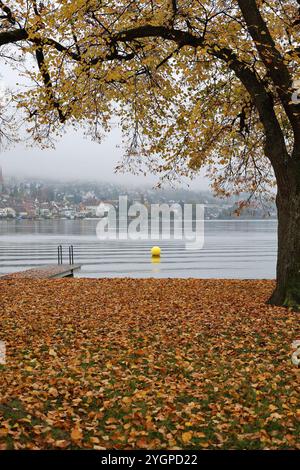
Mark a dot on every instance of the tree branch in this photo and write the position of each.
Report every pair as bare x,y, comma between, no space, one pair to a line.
47,82
13,36
272,60
264,105
182,38
10,17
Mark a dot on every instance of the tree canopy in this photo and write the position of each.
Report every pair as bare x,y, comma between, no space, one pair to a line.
193,82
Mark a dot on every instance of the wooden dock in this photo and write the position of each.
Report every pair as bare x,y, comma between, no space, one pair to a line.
45,272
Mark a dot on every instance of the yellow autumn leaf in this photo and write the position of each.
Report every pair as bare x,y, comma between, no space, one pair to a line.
186,436
204,444
126,400
61,444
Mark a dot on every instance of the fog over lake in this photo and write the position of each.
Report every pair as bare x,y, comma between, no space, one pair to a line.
242,249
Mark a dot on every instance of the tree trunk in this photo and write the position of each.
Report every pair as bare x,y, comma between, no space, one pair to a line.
287,292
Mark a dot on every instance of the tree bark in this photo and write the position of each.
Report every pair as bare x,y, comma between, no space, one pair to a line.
287,292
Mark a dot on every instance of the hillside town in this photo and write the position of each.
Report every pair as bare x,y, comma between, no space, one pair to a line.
39,200
32,199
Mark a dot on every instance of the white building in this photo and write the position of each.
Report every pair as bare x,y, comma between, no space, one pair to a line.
8,212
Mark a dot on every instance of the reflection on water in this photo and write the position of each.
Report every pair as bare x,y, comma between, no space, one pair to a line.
232,249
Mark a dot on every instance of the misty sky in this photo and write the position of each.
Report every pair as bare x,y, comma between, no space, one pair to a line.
75,156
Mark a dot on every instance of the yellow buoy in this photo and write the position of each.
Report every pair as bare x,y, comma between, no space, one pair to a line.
155,252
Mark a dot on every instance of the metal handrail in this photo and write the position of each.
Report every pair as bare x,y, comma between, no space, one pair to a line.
71,254
60,255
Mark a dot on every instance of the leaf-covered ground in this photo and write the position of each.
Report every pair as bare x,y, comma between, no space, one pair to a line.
160,364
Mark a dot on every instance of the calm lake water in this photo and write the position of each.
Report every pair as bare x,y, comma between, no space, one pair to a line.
232,249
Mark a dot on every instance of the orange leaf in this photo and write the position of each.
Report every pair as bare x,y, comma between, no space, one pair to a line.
76,434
